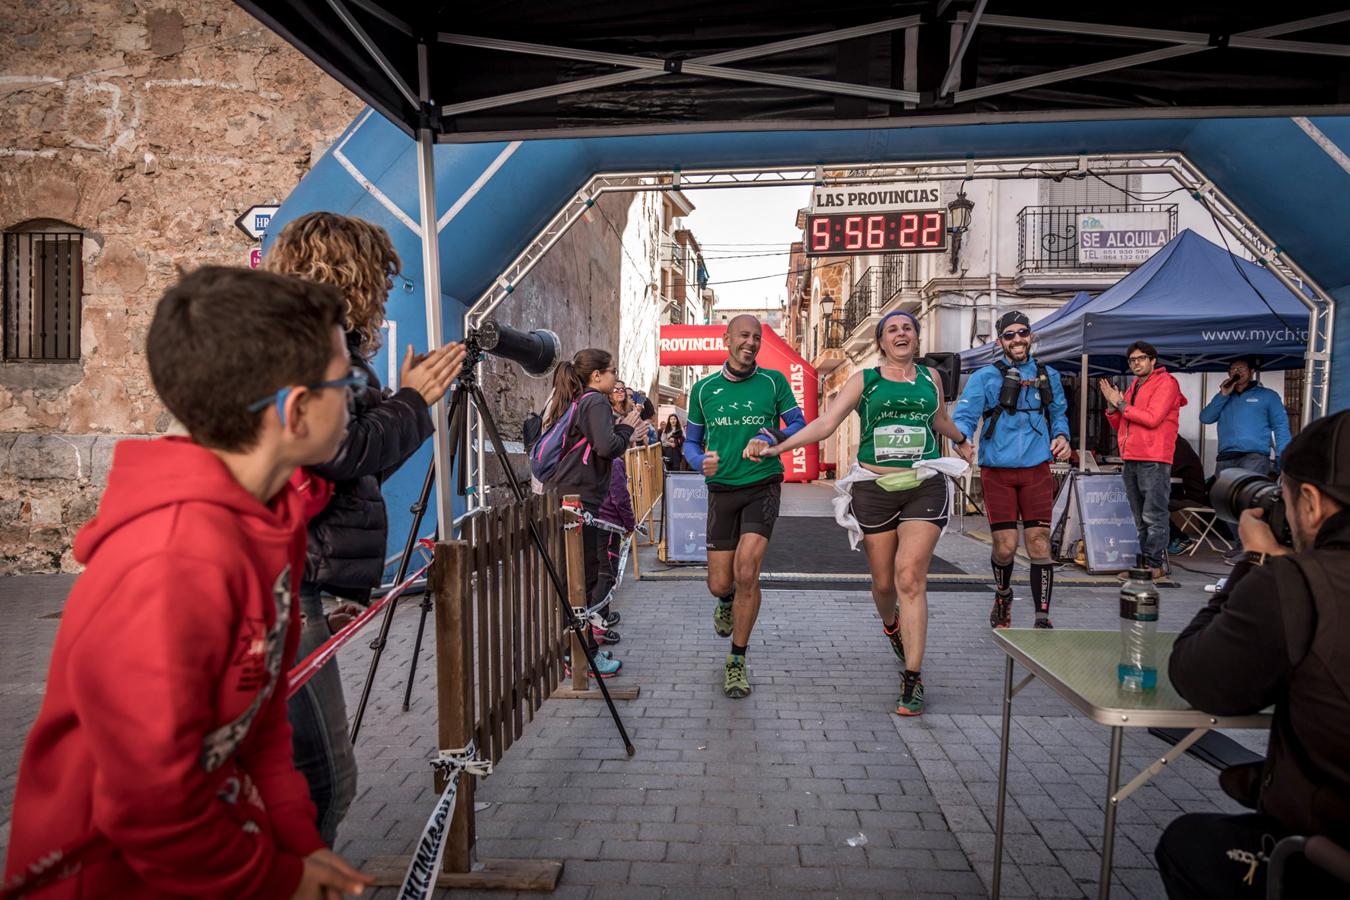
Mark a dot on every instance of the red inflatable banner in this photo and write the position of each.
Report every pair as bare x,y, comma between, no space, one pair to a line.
701,345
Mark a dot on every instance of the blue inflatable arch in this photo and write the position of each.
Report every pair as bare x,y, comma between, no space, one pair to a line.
1283,182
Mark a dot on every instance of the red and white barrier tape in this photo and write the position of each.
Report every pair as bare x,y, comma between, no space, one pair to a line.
310,665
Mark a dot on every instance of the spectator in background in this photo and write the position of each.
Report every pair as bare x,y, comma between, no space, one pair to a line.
672,443
596,436
1145,417
648,411
347,541
1188,489
1250,417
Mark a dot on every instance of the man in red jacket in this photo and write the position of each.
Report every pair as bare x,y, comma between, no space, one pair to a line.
160,763
1145,418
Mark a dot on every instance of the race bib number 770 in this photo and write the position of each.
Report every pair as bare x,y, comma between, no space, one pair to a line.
900,442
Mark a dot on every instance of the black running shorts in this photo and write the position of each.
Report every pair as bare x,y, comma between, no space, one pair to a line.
747,510
879,510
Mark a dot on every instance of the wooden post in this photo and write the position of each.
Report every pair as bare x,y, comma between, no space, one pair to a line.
448,581
576,598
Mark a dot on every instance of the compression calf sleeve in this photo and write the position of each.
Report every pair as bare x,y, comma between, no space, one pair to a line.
1002,574
1042,581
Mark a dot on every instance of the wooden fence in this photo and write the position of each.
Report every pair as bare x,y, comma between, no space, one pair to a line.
500,641
499,650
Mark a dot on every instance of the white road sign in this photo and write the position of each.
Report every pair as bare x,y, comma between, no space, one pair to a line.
255,220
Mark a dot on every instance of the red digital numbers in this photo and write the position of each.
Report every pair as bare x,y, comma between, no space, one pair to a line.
820,234
876,232
853,233
932,230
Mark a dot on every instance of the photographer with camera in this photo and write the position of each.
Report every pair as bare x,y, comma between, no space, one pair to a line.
1249,416
1279,633
1025,427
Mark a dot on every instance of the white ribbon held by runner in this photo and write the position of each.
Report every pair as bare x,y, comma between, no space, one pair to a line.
420,881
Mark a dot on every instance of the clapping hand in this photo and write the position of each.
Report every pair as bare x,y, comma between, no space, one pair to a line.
1109,391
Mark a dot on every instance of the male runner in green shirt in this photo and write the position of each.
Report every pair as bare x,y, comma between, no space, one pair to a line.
727,410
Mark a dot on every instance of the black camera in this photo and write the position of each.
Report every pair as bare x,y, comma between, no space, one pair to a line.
1237,489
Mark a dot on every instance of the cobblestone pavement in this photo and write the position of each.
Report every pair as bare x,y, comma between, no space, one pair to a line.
809,787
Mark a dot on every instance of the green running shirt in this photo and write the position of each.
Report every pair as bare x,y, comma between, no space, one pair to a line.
897,419
733,412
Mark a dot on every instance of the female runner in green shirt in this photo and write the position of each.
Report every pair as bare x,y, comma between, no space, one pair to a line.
900,404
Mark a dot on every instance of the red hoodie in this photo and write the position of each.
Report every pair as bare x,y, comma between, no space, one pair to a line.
1147,429
161,757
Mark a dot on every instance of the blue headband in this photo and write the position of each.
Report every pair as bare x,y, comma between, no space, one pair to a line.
892,314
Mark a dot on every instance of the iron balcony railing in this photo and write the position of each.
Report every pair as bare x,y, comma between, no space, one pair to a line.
1047,236
877,288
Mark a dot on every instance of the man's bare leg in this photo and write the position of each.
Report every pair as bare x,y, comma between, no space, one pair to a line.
749,558
721,584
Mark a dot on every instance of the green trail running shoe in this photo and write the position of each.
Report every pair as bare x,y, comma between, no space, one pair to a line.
897,646
911,696
722,619
737,685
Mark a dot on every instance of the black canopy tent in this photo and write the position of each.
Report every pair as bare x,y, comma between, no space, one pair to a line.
576,68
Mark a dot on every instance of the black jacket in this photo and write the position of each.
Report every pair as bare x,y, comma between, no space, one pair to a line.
586,471
1280,634
347,540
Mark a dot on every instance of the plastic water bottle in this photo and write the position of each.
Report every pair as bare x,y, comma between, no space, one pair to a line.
1138,668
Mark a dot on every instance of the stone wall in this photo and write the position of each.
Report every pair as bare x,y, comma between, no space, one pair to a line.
575,292
149,129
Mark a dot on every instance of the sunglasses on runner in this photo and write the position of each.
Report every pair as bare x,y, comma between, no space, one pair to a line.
356,379
1015,333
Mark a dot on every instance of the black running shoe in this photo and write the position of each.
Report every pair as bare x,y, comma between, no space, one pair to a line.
1001,615
1043,623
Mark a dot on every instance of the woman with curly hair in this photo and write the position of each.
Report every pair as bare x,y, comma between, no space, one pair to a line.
345,556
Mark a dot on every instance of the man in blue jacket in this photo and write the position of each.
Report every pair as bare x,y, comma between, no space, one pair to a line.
1024,411
1249,415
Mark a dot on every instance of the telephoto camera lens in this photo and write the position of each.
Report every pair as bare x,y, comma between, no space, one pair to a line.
1235,490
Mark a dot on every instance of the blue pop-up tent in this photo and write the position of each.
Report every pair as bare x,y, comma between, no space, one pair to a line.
1198,304
985,354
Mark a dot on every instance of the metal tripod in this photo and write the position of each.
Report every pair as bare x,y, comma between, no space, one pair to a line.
465,391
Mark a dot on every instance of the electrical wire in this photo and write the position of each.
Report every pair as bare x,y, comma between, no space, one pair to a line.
1233,259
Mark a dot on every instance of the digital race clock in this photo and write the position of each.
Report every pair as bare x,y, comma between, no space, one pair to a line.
841,234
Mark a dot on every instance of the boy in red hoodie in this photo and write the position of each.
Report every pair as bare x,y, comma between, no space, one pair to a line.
160,762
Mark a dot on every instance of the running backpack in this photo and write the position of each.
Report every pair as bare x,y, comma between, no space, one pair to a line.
551,447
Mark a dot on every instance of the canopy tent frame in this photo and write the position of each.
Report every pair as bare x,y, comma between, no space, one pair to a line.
1185,43
430,123
711,66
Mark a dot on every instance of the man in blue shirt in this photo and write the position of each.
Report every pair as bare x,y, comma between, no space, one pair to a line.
1024,410
1249,415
